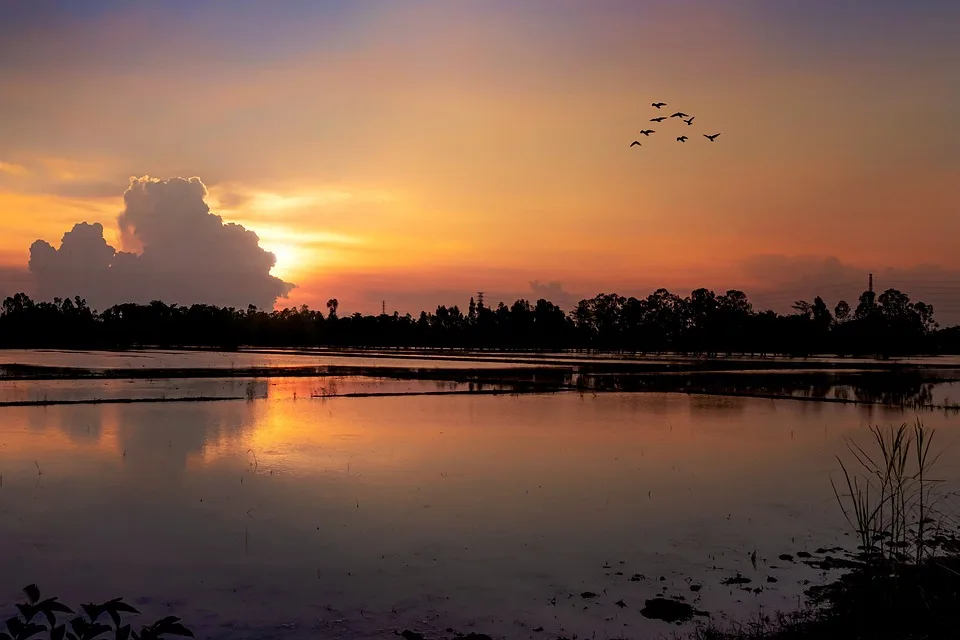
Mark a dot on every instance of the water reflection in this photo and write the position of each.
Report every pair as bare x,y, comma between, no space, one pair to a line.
391,511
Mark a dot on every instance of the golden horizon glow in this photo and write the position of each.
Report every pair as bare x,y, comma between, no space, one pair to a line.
481,146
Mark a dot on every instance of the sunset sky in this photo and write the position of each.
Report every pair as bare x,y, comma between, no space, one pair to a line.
418,151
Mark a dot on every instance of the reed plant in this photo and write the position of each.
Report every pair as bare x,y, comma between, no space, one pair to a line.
891,499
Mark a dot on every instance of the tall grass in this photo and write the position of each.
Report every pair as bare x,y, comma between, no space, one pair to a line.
892,502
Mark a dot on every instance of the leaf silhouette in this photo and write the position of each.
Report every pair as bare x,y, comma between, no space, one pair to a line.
70,636
79,625
165,621
5,636
180,630
27,611
50,607
115,617
57,633
53,604
31,630
51,617
93,611
97,629
123,632
15,626
32,592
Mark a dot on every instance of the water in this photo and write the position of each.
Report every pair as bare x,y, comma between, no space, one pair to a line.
291,516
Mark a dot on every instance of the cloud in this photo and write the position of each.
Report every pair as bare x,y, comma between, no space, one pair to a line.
13,169
177,251
778,280
554,292
15,280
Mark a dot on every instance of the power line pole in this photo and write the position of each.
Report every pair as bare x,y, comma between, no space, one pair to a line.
383,307
870,284
479,298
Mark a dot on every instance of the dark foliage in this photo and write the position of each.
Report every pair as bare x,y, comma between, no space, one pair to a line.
911,602
93,624
702,323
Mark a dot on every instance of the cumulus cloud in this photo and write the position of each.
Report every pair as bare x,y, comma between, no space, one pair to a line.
555,293
177,251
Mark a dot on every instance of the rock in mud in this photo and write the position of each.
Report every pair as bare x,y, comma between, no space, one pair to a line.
588,594
771,579
736,580
696,587
786,557
669,610
803,554
411,635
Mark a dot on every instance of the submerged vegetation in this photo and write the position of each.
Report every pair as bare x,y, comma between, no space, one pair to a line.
703,323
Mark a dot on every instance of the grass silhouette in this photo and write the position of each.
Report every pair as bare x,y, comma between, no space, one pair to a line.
905,583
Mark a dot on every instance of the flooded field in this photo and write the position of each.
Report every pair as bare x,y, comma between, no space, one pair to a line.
298,510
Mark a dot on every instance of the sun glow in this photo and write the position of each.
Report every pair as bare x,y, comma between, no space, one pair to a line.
288,259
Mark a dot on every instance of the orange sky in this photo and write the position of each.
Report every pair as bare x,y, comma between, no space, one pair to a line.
424,149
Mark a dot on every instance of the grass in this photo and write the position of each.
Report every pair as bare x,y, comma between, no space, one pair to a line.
905,583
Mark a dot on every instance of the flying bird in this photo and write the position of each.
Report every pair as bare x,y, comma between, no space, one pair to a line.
647,132
682,139
679,114
658,104
690,121
711,138
635,143
660,119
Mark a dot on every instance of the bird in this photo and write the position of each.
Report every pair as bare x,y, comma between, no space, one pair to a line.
635,143
690,121
679,114
660,119
711,138
647,132
658,104
682,139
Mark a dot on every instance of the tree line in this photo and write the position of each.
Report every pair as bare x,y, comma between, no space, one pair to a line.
703,323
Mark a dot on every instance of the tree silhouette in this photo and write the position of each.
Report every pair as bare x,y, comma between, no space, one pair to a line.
701,324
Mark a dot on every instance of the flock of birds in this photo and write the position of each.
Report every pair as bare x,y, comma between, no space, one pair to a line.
679,114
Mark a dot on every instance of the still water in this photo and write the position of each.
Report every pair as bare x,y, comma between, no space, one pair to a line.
292,517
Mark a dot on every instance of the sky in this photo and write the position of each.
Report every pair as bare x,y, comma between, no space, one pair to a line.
416,151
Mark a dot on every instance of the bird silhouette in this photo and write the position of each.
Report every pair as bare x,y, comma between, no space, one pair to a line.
658,104
647,132
635,143
660,119
690,121
711,138
679,114
682,139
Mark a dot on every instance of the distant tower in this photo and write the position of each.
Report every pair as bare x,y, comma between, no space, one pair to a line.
383,307
479,299
870,284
